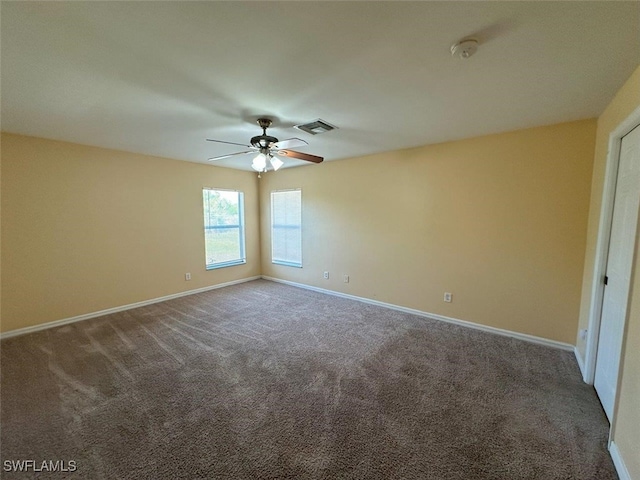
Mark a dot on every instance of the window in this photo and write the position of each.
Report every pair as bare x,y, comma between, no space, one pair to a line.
286,227
223,228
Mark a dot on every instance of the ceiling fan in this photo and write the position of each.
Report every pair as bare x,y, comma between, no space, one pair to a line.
268,147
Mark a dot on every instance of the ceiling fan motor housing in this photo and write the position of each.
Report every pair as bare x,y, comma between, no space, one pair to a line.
263,141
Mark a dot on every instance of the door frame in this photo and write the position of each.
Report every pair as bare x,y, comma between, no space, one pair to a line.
602,249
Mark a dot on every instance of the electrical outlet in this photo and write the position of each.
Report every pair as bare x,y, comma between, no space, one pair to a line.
187,276
448,297
326,275
345,278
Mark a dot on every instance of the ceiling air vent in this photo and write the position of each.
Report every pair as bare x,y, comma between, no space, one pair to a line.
315,127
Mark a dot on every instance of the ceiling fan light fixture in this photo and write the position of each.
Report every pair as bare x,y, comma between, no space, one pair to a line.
259,163
276,163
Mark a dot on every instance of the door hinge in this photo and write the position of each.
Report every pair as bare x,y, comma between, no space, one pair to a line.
606,280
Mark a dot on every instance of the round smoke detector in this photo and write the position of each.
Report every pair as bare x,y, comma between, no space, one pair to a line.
464,48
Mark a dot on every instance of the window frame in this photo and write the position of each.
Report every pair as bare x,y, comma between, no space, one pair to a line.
241,230
282,262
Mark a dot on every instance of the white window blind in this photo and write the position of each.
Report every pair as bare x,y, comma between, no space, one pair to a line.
223,228
286,227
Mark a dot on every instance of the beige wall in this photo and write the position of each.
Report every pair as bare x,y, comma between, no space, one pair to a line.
626,433
500,221
85,229
0,234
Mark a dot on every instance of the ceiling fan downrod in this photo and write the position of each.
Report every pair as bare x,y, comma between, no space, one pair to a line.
264,124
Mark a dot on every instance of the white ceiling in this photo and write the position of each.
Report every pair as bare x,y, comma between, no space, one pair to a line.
160,77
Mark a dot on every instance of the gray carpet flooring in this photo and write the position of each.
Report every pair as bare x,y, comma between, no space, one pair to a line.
266,381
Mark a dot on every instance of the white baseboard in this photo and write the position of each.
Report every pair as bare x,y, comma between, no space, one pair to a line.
580,363
86,316
456,321
477,326
621,468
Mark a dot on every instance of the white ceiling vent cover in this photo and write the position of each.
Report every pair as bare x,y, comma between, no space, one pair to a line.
315,127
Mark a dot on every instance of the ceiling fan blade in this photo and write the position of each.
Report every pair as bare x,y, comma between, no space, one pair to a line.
213,159
229,143
290,143
302,156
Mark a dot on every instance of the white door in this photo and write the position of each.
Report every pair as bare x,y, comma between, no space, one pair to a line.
619,263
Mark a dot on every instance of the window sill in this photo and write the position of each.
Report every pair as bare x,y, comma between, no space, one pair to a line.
287,264
232,263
